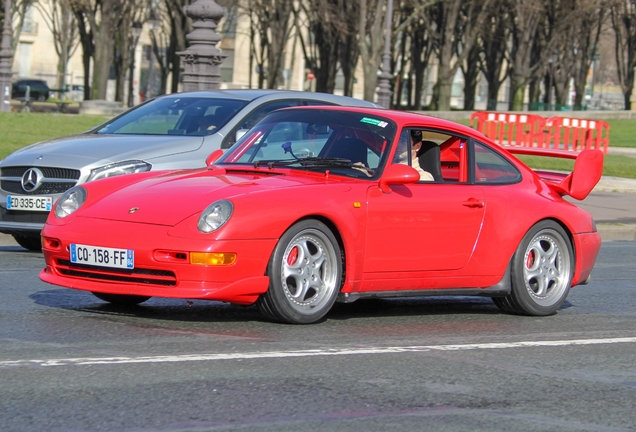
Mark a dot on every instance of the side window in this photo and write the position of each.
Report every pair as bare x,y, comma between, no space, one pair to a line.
491,167
260,112
403,152
436,155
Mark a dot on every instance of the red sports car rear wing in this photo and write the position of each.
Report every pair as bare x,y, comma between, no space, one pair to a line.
588,168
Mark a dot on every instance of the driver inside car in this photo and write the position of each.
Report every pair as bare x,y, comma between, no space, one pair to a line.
411,141
207,122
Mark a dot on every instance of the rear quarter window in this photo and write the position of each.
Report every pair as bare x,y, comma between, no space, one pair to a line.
491,167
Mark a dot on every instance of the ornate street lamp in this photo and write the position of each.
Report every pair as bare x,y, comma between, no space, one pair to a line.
202,59
384,83
6,57
135,33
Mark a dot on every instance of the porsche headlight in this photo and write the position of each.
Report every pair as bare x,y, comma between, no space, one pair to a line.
70,201
215,215
119,168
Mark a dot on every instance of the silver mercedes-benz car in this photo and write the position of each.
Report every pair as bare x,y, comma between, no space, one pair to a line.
169,132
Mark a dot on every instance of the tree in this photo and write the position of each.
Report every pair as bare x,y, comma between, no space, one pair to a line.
174,39
321,46
526,16
587,37
455,21
271,26
623,15
577,29
88,47
99,21
133,12
349,48
555,27
60,20
371,42
470,69
493,45
415,49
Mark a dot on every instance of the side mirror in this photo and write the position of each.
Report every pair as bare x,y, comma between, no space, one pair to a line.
398,174
214,156
240,133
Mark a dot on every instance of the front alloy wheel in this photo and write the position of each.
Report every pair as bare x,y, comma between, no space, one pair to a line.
305,274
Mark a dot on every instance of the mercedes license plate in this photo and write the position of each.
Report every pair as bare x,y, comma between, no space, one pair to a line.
30,203
102,256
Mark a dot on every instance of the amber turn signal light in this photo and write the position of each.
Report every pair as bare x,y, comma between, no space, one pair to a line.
213,258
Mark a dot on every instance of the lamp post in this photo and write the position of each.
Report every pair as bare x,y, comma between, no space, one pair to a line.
384,85
202,59
135,32
6,55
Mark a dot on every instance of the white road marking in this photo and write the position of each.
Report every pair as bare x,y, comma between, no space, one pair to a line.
305,353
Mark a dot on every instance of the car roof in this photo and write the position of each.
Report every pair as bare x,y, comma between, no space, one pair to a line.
253,94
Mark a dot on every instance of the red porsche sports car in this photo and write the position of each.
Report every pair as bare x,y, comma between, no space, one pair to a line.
322,204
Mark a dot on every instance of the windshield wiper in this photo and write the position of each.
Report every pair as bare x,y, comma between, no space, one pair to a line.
317,162
311,161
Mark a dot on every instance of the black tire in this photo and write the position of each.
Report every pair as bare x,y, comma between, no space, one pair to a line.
42,98
121,299
542,270
30,242
305,275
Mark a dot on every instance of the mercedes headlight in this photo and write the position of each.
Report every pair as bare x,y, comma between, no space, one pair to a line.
215,215
70,201
119,168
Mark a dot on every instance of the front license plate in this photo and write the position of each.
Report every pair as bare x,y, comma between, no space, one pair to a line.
103,257
30,203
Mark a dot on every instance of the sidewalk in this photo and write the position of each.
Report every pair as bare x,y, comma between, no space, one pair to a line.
613,203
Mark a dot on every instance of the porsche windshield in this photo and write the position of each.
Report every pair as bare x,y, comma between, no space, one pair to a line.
193,116
347,143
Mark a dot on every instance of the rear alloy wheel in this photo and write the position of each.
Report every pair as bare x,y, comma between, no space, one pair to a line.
30,242
121,299
542,270
305,273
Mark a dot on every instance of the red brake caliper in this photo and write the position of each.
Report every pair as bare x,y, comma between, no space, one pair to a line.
530,259
293,256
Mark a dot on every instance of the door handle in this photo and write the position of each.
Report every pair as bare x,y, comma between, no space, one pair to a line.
473,203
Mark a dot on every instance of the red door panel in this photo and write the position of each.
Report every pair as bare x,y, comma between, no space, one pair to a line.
423,227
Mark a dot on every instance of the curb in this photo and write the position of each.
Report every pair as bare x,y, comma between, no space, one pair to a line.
617,232
615,184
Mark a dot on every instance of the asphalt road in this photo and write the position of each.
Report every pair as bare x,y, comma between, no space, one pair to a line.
69,362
